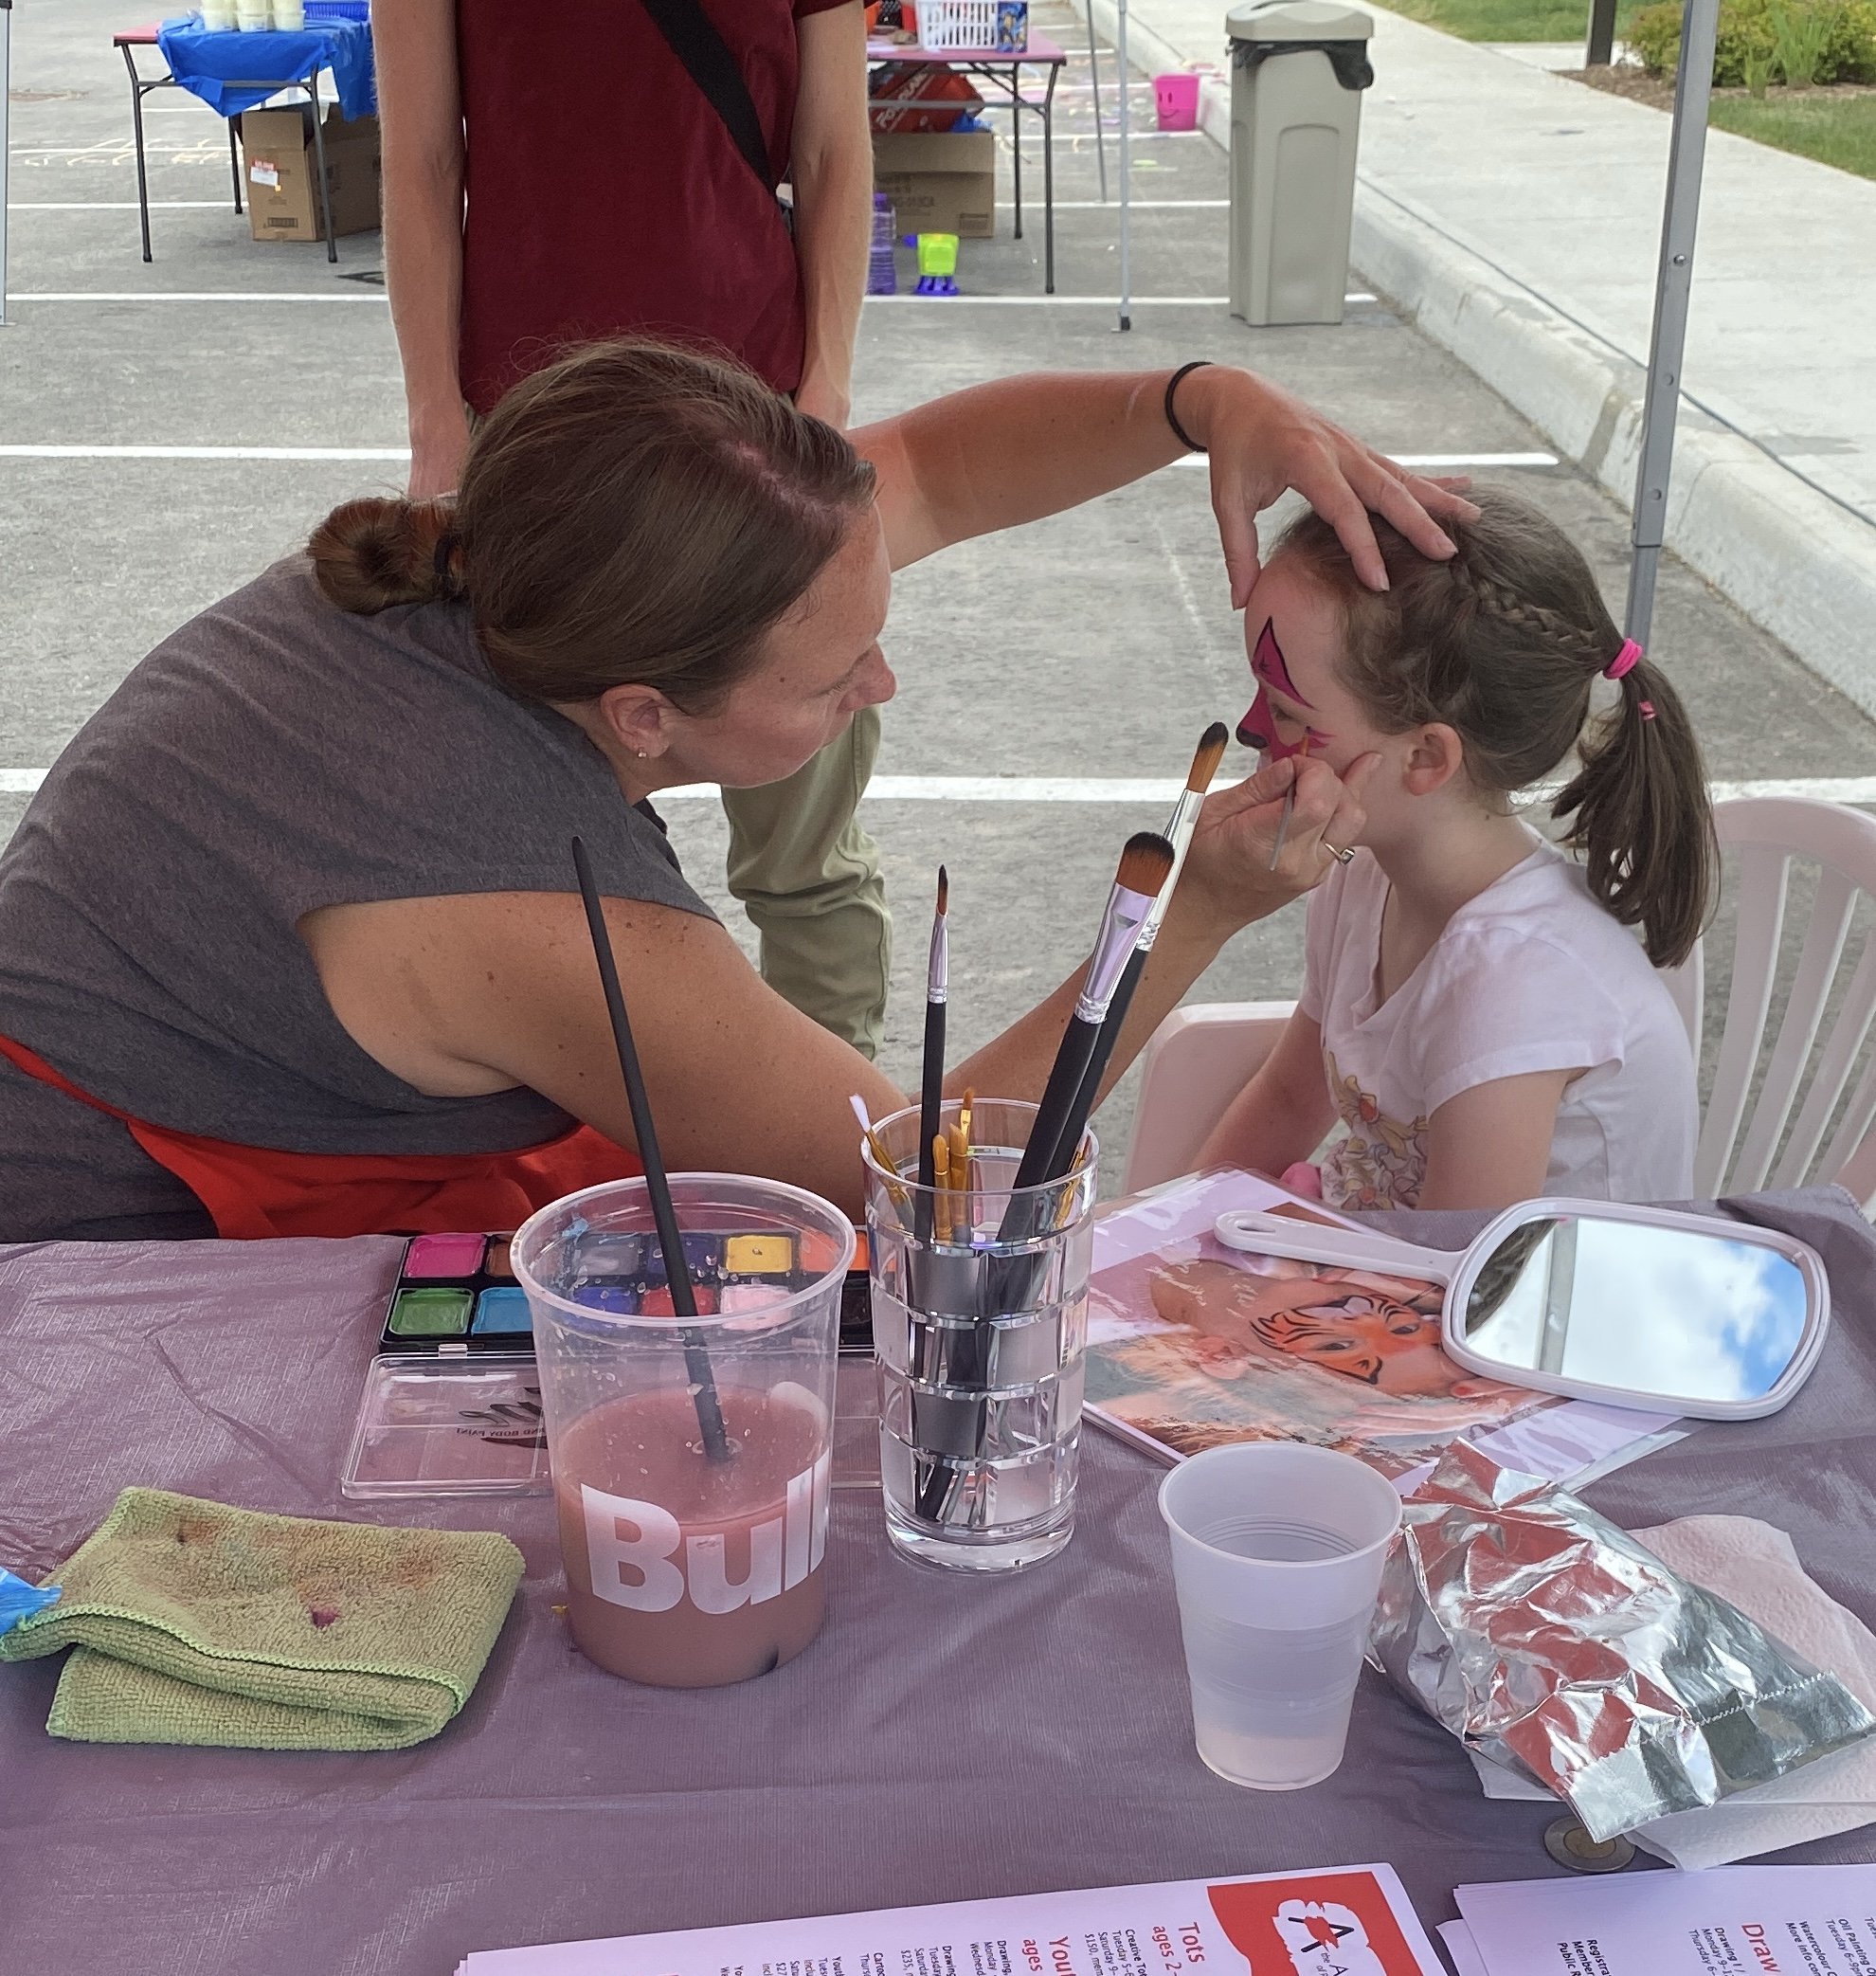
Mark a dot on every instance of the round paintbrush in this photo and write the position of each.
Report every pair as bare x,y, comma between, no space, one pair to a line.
676,1270
931,1077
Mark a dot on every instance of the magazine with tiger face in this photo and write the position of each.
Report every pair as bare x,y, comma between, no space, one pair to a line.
1193,1345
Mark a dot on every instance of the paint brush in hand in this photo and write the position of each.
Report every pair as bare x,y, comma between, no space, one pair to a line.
677,1269
1180,828
931,1080
1145,866
1289,805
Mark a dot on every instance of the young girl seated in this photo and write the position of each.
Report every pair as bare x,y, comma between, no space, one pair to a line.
1474,1009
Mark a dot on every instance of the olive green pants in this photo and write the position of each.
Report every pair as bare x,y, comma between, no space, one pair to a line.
808,877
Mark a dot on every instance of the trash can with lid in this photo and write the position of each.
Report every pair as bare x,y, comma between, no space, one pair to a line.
1298,68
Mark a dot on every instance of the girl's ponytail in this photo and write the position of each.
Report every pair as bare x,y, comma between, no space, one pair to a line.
1503,643
371,553
1639,812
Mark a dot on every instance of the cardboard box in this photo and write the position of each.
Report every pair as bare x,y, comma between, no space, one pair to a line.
939,182
278,163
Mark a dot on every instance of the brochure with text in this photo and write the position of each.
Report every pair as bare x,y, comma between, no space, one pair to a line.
1729,1921
1340,1921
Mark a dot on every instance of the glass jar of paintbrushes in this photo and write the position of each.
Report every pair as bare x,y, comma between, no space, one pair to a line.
980,1319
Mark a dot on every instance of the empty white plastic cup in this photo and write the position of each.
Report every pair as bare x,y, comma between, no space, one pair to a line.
1277,1553
218,16
289,16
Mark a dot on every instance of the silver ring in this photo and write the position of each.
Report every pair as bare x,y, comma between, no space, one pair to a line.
1336,851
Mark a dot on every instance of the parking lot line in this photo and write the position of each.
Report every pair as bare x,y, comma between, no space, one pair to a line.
1120,790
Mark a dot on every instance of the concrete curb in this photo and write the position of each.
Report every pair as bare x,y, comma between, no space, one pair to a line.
1792,559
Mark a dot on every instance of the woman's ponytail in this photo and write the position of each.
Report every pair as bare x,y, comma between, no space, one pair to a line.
370,554
1640,813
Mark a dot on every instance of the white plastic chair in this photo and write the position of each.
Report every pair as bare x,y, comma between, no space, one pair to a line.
1202,1056
1749,1137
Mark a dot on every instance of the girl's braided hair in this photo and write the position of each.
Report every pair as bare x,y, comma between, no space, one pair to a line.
1503,644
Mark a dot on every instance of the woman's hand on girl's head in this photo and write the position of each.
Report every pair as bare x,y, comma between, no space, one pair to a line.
1262,441
1228,872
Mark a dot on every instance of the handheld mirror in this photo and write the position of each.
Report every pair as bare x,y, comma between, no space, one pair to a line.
1636,1306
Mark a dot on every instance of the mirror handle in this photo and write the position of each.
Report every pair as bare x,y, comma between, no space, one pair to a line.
1357,1248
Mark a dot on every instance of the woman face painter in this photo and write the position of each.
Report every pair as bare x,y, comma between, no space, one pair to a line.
290,941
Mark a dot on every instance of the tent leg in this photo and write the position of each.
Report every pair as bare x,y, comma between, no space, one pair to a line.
6,80
1693,90
1125,180
1100,135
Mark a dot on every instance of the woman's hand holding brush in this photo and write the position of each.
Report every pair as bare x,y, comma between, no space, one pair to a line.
1230,877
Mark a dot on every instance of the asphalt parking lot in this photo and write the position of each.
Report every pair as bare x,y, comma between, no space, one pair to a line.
1090,648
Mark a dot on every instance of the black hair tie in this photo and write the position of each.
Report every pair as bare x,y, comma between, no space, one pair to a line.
447,544
1173,383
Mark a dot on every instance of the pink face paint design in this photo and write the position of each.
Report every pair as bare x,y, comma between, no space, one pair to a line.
1258,727
1270,668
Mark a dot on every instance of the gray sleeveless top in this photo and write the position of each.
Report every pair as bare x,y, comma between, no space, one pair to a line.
274,755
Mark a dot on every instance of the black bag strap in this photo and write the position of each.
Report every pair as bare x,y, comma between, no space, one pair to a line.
694,41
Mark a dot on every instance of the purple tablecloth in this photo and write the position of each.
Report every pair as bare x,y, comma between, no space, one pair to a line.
940,1740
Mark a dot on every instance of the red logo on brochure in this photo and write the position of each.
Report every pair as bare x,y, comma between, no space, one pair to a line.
1318,1923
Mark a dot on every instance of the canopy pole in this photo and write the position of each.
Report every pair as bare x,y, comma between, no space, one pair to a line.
1127,179
1673,286
6,99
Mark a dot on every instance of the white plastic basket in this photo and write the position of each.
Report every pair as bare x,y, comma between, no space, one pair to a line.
1003,25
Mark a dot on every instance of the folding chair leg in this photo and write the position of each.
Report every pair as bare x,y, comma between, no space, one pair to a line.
234,158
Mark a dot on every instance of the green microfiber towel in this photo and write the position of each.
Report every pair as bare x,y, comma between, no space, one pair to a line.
199,1623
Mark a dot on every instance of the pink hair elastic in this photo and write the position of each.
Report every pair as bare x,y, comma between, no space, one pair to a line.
1622,664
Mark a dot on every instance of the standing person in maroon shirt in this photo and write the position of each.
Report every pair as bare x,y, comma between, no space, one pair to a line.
554,174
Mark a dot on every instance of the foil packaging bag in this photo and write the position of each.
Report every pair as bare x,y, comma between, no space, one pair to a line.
1548,1639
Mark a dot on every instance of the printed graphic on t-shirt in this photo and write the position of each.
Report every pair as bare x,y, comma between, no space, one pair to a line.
1382,1163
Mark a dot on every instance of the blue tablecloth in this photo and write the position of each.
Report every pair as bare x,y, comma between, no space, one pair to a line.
208,64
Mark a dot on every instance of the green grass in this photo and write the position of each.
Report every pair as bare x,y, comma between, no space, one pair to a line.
1838,131
1509,20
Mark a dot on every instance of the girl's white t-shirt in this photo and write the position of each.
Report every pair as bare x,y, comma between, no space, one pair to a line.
1532,974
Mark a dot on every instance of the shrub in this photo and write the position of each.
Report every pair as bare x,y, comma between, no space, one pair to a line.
1800,34
1747,37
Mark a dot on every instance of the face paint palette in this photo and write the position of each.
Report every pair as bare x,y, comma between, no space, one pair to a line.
452,1404
456,1295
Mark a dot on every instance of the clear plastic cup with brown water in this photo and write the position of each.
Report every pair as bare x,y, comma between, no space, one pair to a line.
690,1457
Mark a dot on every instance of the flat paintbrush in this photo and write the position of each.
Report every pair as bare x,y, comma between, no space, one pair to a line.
677,1269
1180,828
1145,866
931,1077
